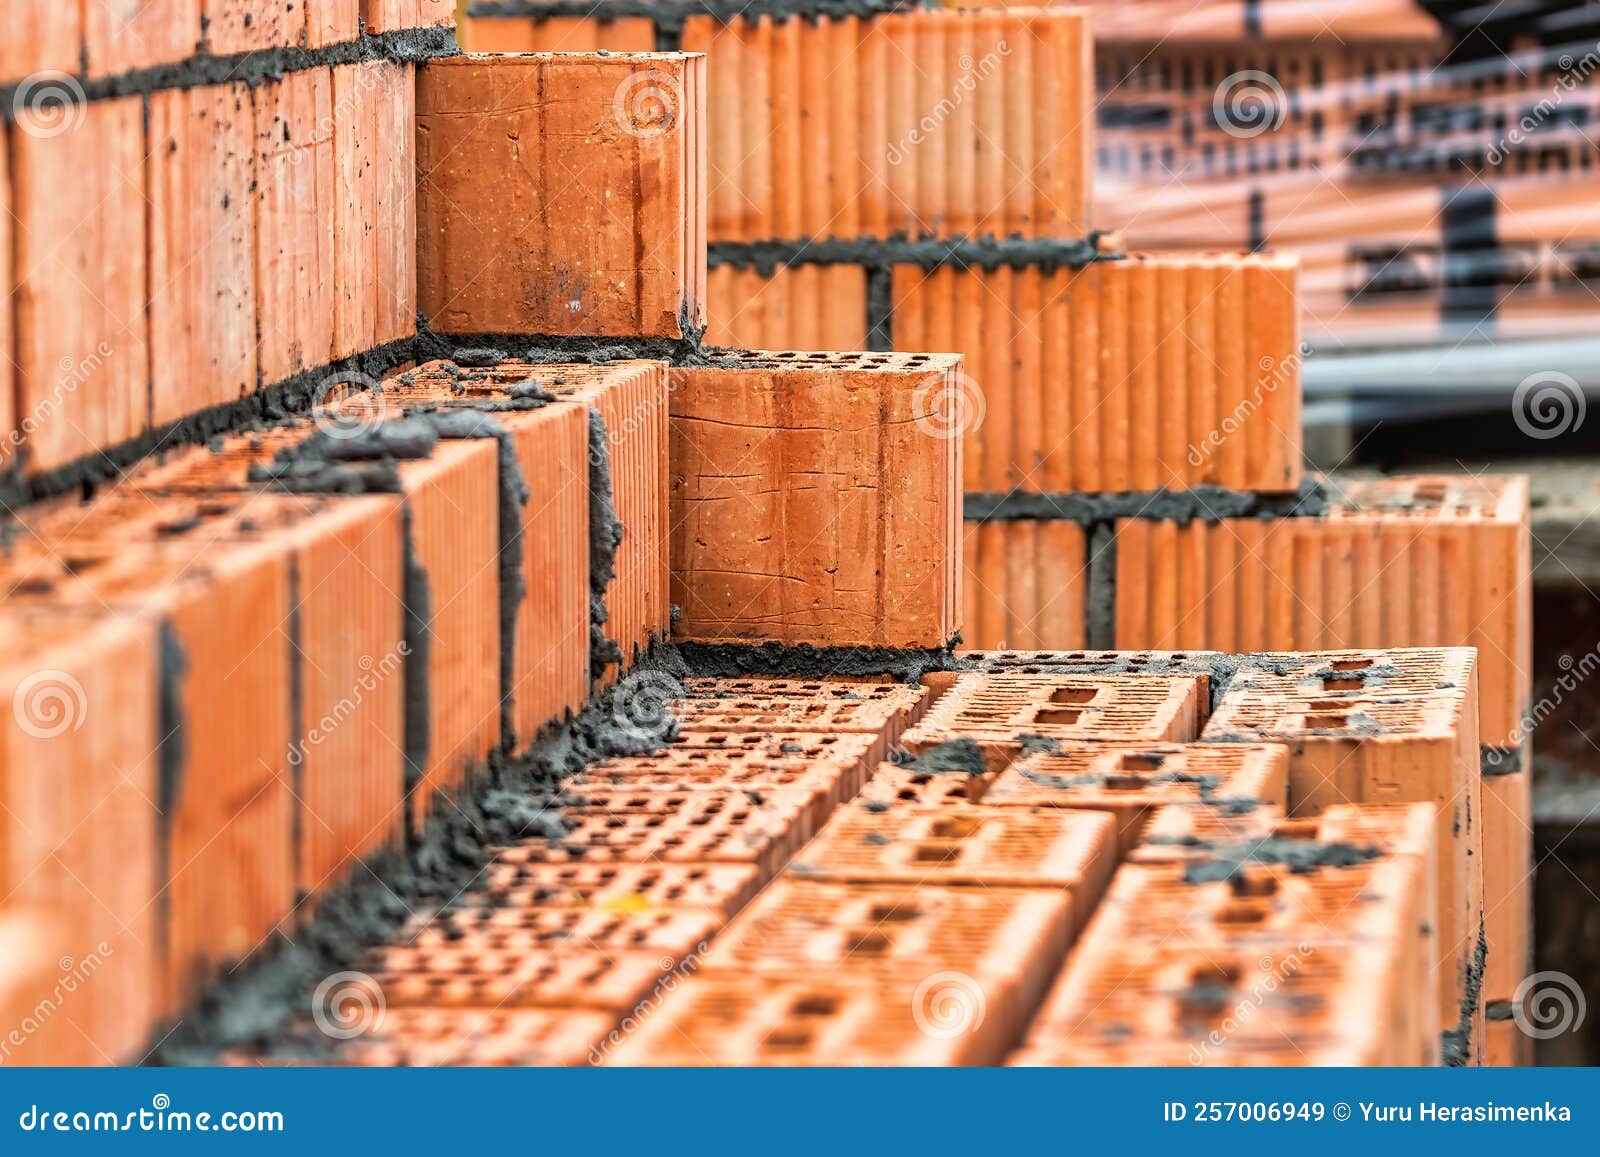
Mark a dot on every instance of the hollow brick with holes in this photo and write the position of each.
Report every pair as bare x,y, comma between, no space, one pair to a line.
512,149
1002,713
525,874
1131,780
815,499
1382,748
506,1037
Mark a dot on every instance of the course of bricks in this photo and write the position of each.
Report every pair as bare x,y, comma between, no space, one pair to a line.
414,590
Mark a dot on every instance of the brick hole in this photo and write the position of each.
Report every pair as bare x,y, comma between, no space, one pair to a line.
893,914
1326,722
955,828
1126,783
1140,763
936,854
1350,665
1064,716
1074,695
1336,684
1296,830
1241,912
867,944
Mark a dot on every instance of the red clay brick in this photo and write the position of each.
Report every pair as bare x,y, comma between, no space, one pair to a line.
506,1037
771,541
202,250
898,785
613,143
232,26
521,877
612,826
1161,1005
1007,947
1382,746
40,38
374,221
797,307
80,841
732,1020
10,436
973,846
392,15
1066,362
122,35
82,352
997,710
1024,584
452,500
1010,153
1131,780
556,34
331,22
294,199
1417,562
228,862
536,929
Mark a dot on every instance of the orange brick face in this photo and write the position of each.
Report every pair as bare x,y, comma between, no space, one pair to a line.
120,35
866,154
41,38
1024,585
1417,562
771,541
81,841
803,307
202,250
514,149
294,140
82,350
247,25
557,34
1067,369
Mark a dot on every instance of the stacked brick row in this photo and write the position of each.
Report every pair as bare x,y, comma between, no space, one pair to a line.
260,662
1432,183
175,251
572,939
928,900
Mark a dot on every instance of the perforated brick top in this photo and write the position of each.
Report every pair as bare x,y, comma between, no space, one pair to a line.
1351,674
1117,776
502,1037
843,362
1252,715
999,708
523,876
965,846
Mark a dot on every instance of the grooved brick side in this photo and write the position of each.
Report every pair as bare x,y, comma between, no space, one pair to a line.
331,21
202,249
40,37
512,150
452,500
77,819
121,35
556,34
232,26
802,307
294,200
1008,152
1152,371
1400,562
392,15
1024,584
82,352
815,500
